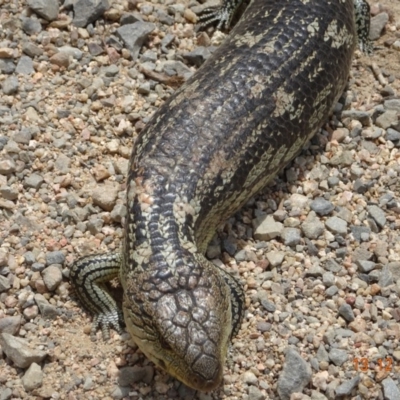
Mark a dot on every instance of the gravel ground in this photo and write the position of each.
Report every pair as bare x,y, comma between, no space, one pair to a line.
318,251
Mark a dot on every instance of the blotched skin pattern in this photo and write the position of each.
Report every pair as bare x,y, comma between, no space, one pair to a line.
214,144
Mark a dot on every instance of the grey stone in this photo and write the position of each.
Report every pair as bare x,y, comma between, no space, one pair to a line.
10,325
270,307
10,85
359,231
167,40
266,228
120,392
19,351
338,357
118,212
111,71
365,266
106,196
394,268
38,266
7,66
378,22
332,266
392,135
392,104
130,375
386,278
321,206
62,163
361,116
346,312
390,389
360,186
95,49
62,59
7,166
4,284
173,67
6,394
291,236
347,387
275,258
295,375
263,326
255,394
164,18
134,35
23,136
33,181
312,227
229,245
47,9
88,383
33,377
29,257
55,257
322,354
387,91
333,181
47,310
314,272
88,11
144,88
336,225
328,279
25,66
331,291
52,277
378,215
249,378
149,56
130,18
344,158
387,119
197,56
315,395
31,26
31,50
73,52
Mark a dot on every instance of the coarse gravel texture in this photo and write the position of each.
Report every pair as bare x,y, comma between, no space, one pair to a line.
318,251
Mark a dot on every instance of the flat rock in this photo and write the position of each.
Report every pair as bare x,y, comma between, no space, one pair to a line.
266,228
347,387
338,357
275,258
10,85
295,375
321,206
10,325
52,277
88,11
312,227
33,377
336,225
47,9
106,196
134,35
378,22
378,215
19,351
390,389
25,66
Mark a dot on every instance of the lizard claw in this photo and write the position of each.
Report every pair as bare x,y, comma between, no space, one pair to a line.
106,320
